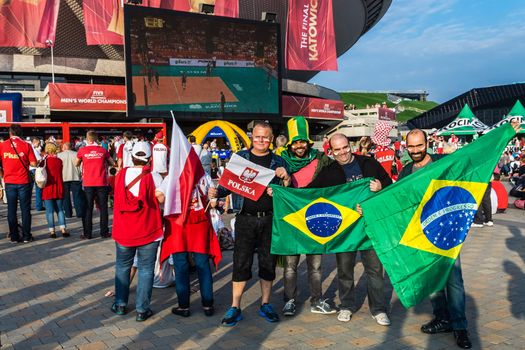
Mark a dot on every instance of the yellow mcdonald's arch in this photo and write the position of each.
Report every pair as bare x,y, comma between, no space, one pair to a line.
236,136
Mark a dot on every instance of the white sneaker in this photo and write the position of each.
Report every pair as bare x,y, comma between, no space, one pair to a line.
476,225
344,315
322,307
488,223
382,319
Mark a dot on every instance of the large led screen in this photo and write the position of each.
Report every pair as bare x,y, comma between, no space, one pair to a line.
195,64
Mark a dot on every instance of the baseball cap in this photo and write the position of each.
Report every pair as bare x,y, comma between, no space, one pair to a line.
141,146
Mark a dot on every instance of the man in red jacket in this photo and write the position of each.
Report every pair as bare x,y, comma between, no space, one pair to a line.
17,155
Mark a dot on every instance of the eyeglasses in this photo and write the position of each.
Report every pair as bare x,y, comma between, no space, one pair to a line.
261,138
340,151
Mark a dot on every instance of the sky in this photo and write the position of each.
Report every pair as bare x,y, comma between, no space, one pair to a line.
445,47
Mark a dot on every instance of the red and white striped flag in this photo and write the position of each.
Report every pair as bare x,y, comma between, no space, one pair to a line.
246,178
185,171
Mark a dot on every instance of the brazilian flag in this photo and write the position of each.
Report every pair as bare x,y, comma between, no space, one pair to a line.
419,224
320,220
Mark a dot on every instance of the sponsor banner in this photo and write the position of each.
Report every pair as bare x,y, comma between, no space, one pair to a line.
386,114
6,111
313,107
246,178
310,37
87,97
194,62
28,23
226,8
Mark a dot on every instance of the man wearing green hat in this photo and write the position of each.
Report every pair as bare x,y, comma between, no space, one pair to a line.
309,168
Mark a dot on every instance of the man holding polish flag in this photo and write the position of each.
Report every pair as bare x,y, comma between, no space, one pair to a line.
188,227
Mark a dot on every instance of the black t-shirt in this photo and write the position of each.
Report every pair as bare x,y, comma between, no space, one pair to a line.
352,171
214,173
265,201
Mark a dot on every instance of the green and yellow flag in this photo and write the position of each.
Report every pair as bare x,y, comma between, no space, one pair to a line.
320,220
419,224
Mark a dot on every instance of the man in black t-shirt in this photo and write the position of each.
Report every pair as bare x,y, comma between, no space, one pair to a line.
355,168
253,229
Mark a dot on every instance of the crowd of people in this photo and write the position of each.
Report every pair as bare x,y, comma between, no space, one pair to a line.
152,244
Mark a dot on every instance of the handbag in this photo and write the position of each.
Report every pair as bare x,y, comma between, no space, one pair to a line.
41,175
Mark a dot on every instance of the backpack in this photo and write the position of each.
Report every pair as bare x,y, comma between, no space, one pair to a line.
41,175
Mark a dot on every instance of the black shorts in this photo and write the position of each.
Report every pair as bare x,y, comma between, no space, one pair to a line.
253,234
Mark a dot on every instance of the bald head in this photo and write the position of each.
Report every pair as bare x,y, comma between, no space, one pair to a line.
66,146
337,136
417,133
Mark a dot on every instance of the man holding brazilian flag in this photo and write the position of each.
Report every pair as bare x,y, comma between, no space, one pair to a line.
417,226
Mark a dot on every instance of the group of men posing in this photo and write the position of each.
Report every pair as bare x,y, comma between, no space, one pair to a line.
302,166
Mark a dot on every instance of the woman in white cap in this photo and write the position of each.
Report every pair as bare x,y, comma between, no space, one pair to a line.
137,229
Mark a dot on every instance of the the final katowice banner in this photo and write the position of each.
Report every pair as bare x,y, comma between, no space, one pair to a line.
310,37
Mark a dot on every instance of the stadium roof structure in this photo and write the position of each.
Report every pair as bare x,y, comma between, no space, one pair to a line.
352,19
489,104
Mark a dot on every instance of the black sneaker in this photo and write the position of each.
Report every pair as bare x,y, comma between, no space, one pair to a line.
462,339
143,316
266,312
289,308
180,312
209,311
118,309
29,240
436,326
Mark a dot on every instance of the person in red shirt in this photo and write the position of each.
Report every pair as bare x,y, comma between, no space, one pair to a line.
53,191
383,153
137,230
17,155
95,161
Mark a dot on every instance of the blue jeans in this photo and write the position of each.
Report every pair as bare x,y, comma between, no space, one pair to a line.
100,194
38,194
54,206
14,194
146,255
449,304
182,278
79,199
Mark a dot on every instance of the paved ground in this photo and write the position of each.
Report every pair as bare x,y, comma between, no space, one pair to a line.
52,297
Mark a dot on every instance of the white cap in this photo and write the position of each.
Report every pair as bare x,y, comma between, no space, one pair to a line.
144,147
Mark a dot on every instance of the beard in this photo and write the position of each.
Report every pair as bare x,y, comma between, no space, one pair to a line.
418,156
300,152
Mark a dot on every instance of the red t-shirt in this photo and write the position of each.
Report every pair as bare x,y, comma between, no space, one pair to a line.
14,171
54,188
94,165
385,156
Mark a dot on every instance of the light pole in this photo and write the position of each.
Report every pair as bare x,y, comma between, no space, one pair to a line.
50,43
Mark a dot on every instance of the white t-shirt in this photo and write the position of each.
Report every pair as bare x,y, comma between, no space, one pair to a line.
132,173
202,187
126,154
160,158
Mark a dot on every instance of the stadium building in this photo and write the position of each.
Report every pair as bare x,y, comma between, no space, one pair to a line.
69,60
489,104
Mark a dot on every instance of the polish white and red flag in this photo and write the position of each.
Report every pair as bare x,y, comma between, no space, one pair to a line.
185,171
245,178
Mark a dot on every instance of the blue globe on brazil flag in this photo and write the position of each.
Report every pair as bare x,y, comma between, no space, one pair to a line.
323,219
447,216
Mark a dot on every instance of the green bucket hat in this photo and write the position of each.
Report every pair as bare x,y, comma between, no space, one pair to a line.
298,130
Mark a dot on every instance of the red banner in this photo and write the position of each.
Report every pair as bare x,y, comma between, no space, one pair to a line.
315,108
28,23
87,97
226,8
386,114
310,38
6,111
104,19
